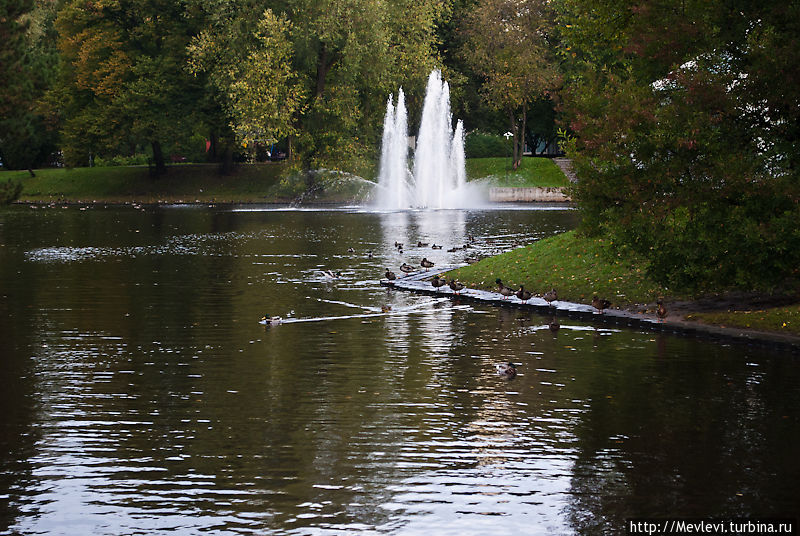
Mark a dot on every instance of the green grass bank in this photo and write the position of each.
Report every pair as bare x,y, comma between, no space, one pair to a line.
532,172
247,183
185,183
580,268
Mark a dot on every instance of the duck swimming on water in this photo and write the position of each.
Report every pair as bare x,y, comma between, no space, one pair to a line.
271,320
507,370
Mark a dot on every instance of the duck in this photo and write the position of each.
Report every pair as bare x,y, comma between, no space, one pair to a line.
550,296
331,274
398,245
599,304
661,311
507,370
425,263
390,275
369,253
271,320
351,250
503,290
553,325
455,286
406,268
422,244
436,247
453,250
386,308
523,295
437,283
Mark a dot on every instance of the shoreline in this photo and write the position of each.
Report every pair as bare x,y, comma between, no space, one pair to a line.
418,282
632,315
565,202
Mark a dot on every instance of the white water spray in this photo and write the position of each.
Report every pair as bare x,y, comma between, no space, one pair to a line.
439,176
394,157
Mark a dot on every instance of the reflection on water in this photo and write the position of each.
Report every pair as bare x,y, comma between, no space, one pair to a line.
141,395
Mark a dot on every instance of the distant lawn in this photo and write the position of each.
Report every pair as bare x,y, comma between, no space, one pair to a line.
531,172
181,183
248,183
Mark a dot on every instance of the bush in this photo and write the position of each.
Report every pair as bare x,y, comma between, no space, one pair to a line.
9,192
753,244
482,145
135,160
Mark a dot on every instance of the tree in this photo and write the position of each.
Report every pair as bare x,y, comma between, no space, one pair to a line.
350,55
26,68
123,80
683,151
508,44
248,63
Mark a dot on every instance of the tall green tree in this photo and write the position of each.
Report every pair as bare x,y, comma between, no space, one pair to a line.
247,61
123,81
351,54
509,44
27,66
685,144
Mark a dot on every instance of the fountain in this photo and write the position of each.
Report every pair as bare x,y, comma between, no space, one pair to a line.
438,179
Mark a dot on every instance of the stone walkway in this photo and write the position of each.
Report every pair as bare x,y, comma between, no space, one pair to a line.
420,282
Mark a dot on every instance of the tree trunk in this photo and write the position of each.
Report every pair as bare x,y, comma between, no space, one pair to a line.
226,166
522,136
513,121
211,154
322,70
158,159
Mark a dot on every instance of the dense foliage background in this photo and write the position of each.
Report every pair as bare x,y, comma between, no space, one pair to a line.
681,117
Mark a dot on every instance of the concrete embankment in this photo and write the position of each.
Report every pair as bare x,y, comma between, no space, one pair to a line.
527,195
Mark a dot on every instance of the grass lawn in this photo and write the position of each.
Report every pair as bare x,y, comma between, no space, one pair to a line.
188,183
182,183
778,319
531,172
577,267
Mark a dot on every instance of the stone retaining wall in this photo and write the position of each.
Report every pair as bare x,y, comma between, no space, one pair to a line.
542,195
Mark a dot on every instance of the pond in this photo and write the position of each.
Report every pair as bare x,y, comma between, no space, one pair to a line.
140,395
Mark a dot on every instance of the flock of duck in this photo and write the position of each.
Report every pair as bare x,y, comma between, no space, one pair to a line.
504,370
522,294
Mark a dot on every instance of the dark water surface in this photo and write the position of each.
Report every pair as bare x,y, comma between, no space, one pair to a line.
140,395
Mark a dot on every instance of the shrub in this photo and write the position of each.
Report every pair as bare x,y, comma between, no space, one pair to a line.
479,144
9,192
135,160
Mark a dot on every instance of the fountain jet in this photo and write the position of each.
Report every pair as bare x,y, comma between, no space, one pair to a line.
438,179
